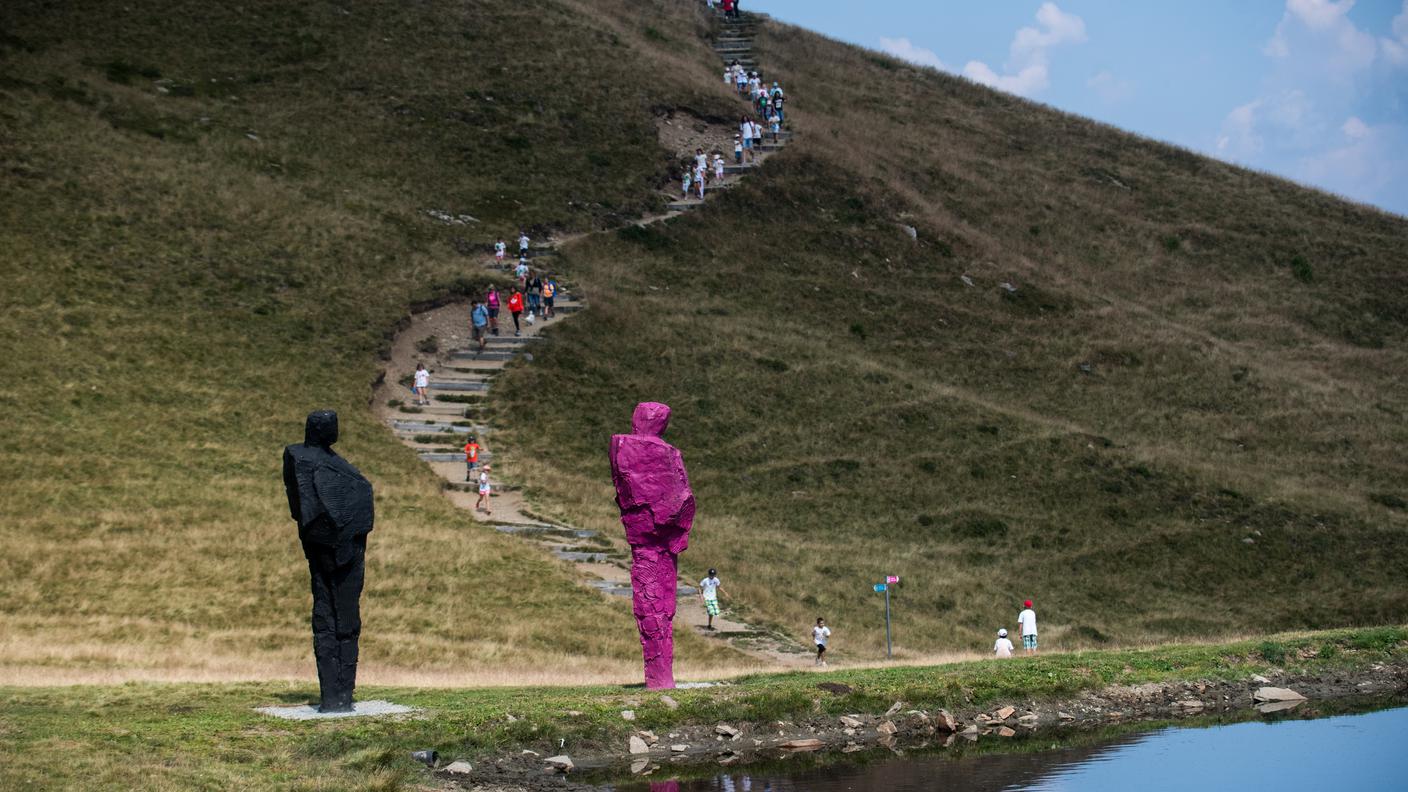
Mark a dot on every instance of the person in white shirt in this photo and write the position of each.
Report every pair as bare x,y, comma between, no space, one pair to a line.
485,490
499,248
709,590
522,243
1003,647
701,173
701,159
422,384
745,131
820,634
718,167
1027,619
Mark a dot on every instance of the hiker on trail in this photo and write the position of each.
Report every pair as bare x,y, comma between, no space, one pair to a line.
515,307
523,244
758,137
709,590
479,323
485,491
740,78
520,272
701,174
755,86
718,167
686,182
775,121
820,635
745,131
549,292
1027,620
422,384
737,150
778,97
471,457
499,248
1003,647
535,296
701,160
491,301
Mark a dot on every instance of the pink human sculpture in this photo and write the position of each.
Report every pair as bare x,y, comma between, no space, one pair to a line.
657,509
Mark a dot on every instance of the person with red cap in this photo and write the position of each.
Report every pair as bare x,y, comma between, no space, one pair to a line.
1027,620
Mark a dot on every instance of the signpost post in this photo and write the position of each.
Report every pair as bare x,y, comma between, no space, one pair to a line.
885,587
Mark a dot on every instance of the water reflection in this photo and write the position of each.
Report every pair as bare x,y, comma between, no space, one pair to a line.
1361,752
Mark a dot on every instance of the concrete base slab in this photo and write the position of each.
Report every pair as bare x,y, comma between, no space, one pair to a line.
360,709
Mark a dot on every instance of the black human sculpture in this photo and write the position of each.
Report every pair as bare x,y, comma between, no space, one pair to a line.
332,504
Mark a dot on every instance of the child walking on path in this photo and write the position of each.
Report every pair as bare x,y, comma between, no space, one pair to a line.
471,457
422,384
1027,620
492,301
499,248
709,590
1003,647
485,491
820,635
515,307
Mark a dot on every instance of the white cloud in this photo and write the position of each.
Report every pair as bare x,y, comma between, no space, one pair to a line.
1027,71
1396,47
1323,26
1110,88
906,50
1290,114
1355,128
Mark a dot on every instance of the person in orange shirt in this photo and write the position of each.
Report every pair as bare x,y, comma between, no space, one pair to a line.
515,307
471,458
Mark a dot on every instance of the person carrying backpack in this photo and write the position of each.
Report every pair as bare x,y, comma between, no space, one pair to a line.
549,292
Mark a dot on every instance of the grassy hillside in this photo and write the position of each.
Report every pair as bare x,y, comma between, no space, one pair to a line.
213,216
1184,417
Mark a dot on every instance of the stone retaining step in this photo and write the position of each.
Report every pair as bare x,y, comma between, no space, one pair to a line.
459,386
624,589
543,529
469,354
574,555
417,427
683,206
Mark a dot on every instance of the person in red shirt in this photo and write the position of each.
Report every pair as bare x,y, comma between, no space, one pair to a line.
471,458
515,307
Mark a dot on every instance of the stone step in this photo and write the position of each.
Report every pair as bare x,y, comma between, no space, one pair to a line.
459,386
543,529
422,427
578,556
445,456
624,589
683,206
470,354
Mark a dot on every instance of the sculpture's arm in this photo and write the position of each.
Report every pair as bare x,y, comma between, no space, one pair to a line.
291,487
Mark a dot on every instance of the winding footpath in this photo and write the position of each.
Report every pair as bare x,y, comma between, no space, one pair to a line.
461,381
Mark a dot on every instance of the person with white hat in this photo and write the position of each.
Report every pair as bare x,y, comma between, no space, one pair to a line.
1003,647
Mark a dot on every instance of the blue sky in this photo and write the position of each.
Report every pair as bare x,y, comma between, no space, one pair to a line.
1314,90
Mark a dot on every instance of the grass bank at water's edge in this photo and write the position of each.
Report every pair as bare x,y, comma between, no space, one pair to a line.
207,736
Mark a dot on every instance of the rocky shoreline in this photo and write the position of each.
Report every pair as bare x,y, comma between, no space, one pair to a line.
648,754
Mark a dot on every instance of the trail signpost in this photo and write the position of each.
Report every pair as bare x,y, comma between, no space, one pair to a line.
885,588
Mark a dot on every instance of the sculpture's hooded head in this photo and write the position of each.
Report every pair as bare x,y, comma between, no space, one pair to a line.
321,429
650,418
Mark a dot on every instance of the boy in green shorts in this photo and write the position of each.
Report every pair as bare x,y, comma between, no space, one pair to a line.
709,590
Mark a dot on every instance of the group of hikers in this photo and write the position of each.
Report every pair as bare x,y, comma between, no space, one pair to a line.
534,292
711,588
729,7
748,143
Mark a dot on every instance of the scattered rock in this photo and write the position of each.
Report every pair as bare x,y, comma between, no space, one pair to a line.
808,744
911,231
852,748
649,737
851,722
458,768
560,763
1007,287
1003,731
639,766
679,747
888,727
967,281
835,687
638,746
1261,680
970,733
896,707
527,752
1248,540
669,702
945,722
725,730
1264,694
629,715
1065,716
1188,705
1029,719
1004,713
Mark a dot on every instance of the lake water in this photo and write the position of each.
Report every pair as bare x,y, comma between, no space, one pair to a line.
1364,753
